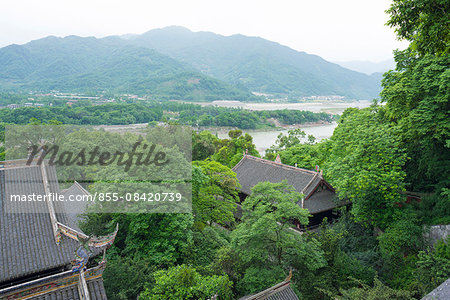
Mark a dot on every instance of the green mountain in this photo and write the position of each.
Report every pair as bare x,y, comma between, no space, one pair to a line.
76,64
175,63
258,64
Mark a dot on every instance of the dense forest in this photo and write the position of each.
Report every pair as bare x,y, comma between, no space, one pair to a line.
153,111
377,248
75,64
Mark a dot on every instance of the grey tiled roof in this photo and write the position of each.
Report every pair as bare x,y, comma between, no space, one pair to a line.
27,240
96,292
281,291
252,170
73,209
442,292
284,294
320,201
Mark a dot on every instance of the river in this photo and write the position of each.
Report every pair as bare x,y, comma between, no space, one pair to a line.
265,139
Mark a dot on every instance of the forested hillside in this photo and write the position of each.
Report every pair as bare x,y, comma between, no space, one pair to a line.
175,63
75,64
155,111
259,64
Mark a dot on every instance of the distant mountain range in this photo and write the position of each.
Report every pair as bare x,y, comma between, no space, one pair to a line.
368,67
88,64
175,63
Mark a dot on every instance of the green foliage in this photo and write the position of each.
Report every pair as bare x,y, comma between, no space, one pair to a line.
265,243
292,117
424,23
342,263
230,151
216,195
107,114
184,282
293,138
257,279
151,112
2,141
434,209
135,272
377,292
403,237
204,144
306,156
417,101
365,165
433,267
204,249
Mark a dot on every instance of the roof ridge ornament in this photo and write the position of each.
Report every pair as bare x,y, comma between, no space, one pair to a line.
83,253
278,159
289,277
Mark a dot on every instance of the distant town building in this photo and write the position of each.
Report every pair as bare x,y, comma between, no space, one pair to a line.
13,106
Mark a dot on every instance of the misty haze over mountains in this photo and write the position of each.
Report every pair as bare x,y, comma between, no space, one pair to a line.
368,67
176,63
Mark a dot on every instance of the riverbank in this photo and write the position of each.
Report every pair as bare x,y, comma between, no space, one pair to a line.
330,107
262,138
279,128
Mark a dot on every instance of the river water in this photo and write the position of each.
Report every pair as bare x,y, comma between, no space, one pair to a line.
263,139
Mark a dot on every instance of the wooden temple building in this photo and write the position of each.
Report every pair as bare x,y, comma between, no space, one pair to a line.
319,196
43,253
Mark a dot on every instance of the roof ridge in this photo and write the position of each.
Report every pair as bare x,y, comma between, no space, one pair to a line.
271,290
279,164
309,184
3,167
81,187
240,162
50,206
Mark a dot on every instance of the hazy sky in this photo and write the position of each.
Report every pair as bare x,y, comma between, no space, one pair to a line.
336,30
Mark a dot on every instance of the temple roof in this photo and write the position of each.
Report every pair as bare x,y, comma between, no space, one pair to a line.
280,291
62,285
320,201
73,209
252,170
39,238
27,239
96,292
